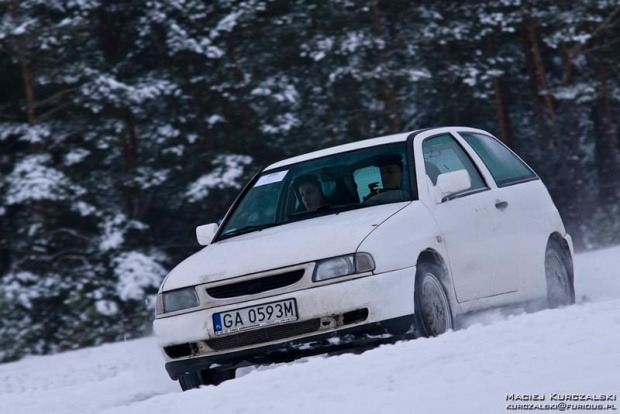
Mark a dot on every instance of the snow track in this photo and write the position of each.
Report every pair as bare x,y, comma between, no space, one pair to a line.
571,350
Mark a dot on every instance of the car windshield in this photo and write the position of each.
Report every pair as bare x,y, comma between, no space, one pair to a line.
327,185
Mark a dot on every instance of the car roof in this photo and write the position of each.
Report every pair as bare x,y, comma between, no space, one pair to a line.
371,142
366,143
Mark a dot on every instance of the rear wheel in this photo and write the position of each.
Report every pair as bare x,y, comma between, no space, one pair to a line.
432,306
193,380
560,288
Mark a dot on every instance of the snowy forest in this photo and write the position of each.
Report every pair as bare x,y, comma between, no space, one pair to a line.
125,124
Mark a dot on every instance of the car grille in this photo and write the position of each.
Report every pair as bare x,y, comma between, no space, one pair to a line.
264,335
254,286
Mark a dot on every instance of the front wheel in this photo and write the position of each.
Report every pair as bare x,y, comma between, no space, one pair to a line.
193,380
190,380
560,287
432,306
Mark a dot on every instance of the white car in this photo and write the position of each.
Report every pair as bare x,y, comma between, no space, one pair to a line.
371,241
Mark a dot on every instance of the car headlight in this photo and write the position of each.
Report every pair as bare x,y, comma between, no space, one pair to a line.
176,300
343,266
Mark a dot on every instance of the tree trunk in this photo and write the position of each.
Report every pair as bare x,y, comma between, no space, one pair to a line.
205,143
328,117
388,91
242,108
536,105
26,75
5,252
134,203
567,63
579,203
229,120
576,197
452,102
108,35
607,159
561,186
501,104
541,78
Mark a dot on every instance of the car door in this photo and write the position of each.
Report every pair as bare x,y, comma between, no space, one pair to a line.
480,241
528,205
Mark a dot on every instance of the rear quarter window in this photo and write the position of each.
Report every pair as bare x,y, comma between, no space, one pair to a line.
505,167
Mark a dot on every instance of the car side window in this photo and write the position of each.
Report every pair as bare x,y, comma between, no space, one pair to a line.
443,154
505,167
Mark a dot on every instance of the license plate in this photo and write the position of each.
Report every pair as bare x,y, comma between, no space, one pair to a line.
255,316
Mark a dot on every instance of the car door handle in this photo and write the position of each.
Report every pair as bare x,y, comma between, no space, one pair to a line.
500,205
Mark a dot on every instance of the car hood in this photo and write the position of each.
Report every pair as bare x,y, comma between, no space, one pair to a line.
286,245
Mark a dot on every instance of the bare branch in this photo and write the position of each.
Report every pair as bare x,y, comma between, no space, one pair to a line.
55,96
72,233
606,23
53,111
601,47
571,54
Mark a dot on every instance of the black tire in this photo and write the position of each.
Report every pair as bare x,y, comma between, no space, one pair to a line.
190,381
558,275
216,378
433,313
193,380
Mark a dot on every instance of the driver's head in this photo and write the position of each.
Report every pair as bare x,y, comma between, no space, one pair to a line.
310,191
391,167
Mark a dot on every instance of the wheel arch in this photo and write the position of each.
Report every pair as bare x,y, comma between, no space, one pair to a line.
432,256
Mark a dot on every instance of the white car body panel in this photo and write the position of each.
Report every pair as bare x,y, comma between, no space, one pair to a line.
280,246
538,218
480,244
416,231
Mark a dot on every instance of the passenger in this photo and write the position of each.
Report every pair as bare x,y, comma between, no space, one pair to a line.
310,191
391,169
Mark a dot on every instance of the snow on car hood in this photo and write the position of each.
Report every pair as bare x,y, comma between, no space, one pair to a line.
280,246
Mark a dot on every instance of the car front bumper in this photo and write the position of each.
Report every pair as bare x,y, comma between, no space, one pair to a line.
356,339
348,314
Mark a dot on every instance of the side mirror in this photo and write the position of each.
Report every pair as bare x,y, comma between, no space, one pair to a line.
205,233
451,183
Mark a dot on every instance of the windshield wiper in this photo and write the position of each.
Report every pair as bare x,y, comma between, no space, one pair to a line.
326,209
246,229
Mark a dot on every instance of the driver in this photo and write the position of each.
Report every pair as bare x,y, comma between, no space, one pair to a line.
310,191
391,168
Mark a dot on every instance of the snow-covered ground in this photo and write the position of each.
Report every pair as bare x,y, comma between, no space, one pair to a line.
571,350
